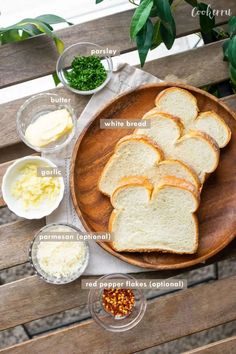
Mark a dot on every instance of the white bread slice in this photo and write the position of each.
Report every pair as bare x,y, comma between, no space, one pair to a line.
146,219
195,149
182,104
213,125
139,156
178,102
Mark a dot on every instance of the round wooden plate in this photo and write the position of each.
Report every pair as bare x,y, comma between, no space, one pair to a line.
217,212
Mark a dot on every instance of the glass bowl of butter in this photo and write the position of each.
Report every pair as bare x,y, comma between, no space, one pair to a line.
57,253
46,122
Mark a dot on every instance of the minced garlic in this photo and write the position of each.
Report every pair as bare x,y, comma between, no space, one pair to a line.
61,258
33,189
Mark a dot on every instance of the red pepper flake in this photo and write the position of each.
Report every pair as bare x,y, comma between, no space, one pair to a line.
118,302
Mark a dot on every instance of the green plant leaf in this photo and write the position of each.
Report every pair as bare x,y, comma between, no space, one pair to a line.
232,73
140,17
232,51
207,21
156,37
43,29
225,50
167,26
144,41
193,3
98,1
10,36
232,25
52,19
56,79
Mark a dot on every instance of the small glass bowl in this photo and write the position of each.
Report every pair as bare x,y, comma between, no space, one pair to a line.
107,320
36,106
34,261
81,49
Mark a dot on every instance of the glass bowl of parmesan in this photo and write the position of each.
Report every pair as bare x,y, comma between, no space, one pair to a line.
46,122
57,253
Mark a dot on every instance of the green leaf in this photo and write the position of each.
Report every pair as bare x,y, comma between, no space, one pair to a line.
140,17
56,79
98,1
52,19
43,29
232,25
144,41
10,36
225,50
232,73
193,3
207,20
156,38
167,26
232,51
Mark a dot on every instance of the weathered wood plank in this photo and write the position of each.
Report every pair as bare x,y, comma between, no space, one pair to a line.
226,346
26,57
166,319
15,239
195,67
42,301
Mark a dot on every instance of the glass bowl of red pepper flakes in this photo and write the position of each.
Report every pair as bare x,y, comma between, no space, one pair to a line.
117,309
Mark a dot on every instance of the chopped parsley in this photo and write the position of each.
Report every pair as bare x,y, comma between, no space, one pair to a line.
87,73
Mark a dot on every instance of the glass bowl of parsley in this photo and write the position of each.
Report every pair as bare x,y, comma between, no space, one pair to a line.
84,68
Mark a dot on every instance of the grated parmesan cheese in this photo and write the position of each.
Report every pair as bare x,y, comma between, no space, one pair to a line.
61,259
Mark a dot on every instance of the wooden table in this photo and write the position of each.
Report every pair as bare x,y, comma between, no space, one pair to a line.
167,318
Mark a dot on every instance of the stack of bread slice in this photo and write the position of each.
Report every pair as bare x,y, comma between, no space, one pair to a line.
155,175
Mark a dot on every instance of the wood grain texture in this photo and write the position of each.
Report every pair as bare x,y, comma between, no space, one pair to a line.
217,212
195,67
166,319
226,346
15,239
47,299
113,29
